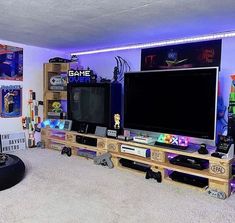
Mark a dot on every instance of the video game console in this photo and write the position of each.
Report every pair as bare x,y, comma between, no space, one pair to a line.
191,162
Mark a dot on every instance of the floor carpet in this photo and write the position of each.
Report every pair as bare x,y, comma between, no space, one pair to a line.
61,189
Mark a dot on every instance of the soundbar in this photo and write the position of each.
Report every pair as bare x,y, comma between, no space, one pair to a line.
135,150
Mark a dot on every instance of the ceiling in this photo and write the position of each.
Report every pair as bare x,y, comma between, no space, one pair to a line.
79,25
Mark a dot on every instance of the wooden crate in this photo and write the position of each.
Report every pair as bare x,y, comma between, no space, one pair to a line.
158,156
70,137
113,146
220,168
101,144
220,186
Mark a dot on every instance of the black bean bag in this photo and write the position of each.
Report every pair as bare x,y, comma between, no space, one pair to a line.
11,171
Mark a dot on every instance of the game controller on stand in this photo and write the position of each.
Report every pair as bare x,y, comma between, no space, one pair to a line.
66,150
155,175
104,160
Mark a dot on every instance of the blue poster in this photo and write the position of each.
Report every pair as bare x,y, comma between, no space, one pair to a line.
11,63
11,101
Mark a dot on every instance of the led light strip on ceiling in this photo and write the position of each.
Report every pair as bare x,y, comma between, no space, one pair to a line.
161,43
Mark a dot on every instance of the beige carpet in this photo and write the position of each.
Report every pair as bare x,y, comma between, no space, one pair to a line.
60,189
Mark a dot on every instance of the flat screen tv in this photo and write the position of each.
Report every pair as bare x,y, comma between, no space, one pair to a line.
93,104
180,101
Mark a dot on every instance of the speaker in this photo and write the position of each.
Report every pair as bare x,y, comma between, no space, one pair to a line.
82,128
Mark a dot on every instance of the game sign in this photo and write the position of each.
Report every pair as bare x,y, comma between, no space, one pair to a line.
199,54
11,63
80,76
11,101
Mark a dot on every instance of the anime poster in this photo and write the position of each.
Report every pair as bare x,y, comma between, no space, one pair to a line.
11,101
11,63
199,54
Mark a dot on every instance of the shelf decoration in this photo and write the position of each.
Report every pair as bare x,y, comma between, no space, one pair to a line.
32,121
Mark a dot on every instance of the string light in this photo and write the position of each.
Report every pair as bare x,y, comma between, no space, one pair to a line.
161,43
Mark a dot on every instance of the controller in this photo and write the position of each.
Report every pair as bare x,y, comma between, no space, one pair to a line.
217,194
155,175
66,150
104,160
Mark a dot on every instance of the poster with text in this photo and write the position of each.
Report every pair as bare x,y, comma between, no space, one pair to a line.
11,101
11,63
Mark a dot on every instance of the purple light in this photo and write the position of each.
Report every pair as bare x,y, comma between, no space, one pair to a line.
161,43
171,155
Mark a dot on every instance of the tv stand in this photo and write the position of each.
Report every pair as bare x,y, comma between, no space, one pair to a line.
218,173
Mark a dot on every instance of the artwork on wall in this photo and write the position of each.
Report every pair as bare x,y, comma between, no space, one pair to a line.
199,54
11,63
11,101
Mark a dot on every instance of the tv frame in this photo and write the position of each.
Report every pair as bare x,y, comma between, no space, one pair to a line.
113,105
91,125
193,139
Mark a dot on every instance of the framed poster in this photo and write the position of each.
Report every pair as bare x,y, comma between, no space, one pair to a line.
57,81
11,63
198,54
11,101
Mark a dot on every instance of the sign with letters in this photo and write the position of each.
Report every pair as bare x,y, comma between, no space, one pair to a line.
13,141
79,76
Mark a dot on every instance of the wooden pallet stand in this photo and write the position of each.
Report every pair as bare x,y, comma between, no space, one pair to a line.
219,173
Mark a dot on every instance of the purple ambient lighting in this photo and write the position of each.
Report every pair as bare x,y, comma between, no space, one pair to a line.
161,43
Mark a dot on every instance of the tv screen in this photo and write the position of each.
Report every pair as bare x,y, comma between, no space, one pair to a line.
88,104
180,102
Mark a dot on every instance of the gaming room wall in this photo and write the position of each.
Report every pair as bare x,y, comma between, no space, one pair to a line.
33,59
104,63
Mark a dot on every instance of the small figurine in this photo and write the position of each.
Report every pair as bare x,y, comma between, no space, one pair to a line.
116,121
57,107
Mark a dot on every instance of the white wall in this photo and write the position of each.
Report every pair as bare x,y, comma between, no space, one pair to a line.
103,64
33,57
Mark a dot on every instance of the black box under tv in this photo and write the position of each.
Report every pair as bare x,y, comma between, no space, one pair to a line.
189,179
191,162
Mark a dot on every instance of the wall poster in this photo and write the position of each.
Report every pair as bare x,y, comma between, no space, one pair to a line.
11,101
11,63
198,54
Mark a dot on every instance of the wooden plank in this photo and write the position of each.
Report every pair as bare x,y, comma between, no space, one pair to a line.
168,150
201,173
220,186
